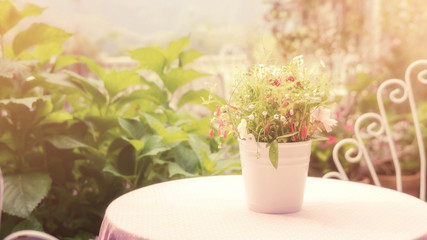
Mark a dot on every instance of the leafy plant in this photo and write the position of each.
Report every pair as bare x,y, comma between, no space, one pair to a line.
277,104
74,143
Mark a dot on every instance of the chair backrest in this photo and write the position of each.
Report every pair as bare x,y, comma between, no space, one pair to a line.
379,127
29,235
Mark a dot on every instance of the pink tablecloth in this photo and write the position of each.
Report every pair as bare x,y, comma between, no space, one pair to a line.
215,208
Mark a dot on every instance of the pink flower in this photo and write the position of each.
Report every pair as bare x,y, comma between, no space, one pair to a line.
323,115
276,82
293,130
349,127
233,107
304,131
332,139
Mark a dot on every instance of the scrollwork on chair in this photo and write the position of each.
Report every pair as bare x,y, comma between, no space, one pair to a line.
398,91
373,129
422,78
397,95
352,155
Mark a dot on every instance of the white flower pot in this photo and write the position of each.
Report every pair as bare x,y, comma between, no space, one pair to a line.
270,190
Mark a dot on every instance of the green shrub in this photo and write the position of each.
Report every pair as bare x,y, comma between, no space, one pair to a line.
73,143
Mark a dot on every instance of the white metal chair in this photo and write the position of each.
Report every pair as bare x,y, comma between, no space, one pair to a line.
379,126
22,234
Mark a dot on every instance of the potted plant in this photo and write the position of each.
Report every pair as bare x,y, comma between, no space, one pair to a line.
275,112
408,155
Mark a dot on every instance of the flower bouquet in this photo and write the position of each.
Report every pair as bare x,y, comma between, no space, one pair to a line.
276,104
275,111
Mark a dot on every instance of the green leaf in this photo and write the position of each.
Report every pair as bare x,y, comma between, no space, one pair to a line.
174,135
151,58
38,33
133,127
28,102
60,79
101,124
117,144
56,117
186,157
284,138
197,97
31,10
208,165
42,109
174,168
29,223
197,126
65,60
199,146
45,52
9,16
153,94
175,48
126,160
273,153
116,82
153,146
188,57
23,192
25,56
178,77
111,169
8,138
65,142
6,155
323,155
8,52
88,86
170,134
137,144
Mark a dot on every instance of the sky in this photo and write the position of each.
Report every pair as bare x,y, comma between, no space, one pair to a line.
153,20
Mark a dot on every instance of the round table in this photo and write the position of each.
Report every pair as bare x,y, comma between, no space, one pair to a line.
215,208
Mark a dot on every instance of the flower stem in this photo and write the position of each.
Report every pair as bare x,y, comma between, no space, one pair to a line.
2,46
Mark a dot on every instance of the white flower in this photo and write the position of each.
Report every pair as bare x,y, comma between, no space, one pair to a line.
241,128
247,96
298,60
276,116
251,106
30,78
323,115
282,118
291,112
264,113
251,117
322,64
